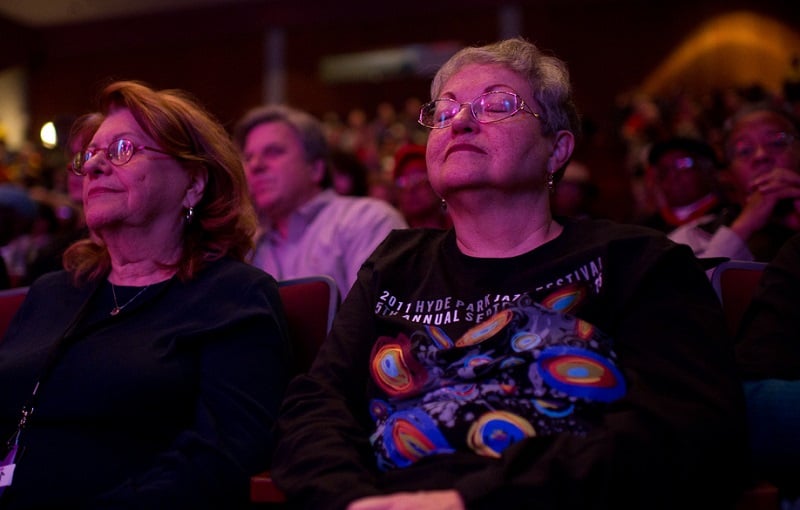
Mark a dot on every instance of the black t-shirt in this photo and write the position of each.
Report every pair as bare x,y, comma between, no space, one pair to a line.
168,404
680,415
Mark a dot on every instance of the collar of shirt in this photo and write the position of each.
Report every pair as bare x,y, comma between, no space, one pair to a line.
301,217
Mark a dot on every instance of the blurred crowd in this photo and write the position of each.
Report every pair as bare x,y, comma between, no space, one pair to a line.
370,152
643,120
483,299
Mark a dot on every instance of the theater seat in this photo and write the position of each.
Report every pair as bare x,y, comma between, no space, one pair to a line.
735,282
310,304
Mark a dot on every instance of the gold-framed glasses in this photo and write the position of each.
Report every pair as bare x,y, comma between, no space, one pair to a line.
489,107
118,153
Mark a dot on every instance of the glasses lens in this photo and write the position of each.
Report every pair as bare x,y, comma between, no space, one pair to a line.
773,144
494,106
439,113
120,151
76,163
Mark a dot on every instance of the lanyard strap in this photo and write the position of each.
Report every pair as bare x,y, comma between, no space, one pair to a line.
53,355
70,335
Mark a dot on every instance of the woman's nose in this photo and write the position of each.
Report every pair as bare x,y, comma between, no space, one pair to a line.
96,164
464,120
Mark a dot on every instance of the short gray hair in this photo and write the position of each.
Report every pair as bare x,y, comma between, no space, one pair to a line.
547,75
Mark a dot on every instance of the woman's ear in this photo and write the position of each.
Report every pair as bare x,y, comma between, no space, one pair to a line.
197,185
564,144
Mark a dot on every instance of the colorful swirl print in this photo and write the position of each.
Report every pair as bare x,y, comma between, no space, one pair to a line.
410,435
486,329
396,371
565,299
495,431
581,373
439,337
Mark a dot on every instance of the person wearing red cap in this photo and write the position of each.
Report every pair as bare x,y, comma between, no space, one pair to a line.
416,199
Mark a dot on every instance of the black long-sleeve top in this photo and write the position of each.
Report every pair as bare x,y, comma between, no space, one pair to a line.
170,404
674,439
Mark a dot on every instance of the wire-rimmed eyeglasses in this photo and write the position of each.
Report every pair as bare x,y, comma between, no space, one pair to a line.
674,166
489,107
118,152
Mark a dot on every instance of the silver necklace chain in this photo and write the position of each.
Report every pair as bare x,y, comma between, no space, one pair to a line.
117,308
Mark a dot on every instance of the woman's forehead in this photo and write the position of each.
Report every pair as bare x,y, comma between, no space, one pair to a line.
762,120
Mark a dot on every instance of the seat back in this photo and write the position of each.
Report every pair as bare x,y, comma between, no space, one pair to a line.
309,304
735,282
10,301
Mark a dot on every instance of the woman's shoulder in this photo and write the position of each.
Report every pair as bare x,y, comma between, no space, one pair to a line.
414,238
605,232
233,268
605,227
57,290
61,281
624,242
228,272
225,284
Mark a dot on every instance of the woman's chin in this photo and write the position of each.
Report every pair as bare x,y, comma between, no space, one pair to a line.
98,221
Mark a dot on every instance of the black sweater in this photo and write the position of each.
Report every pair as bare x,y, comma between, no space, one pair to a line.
169,404
674,439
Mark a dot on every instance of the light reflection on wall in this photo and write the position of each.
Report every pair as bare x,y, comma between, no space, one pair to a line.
13,102
417,59
737,49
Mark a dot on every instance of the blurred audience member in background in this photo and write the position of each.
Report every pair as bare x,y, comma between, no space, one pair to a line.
18,212
16,217
682,174
49,256
306,227
575,193
420,205
382,187
763,152
349,175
